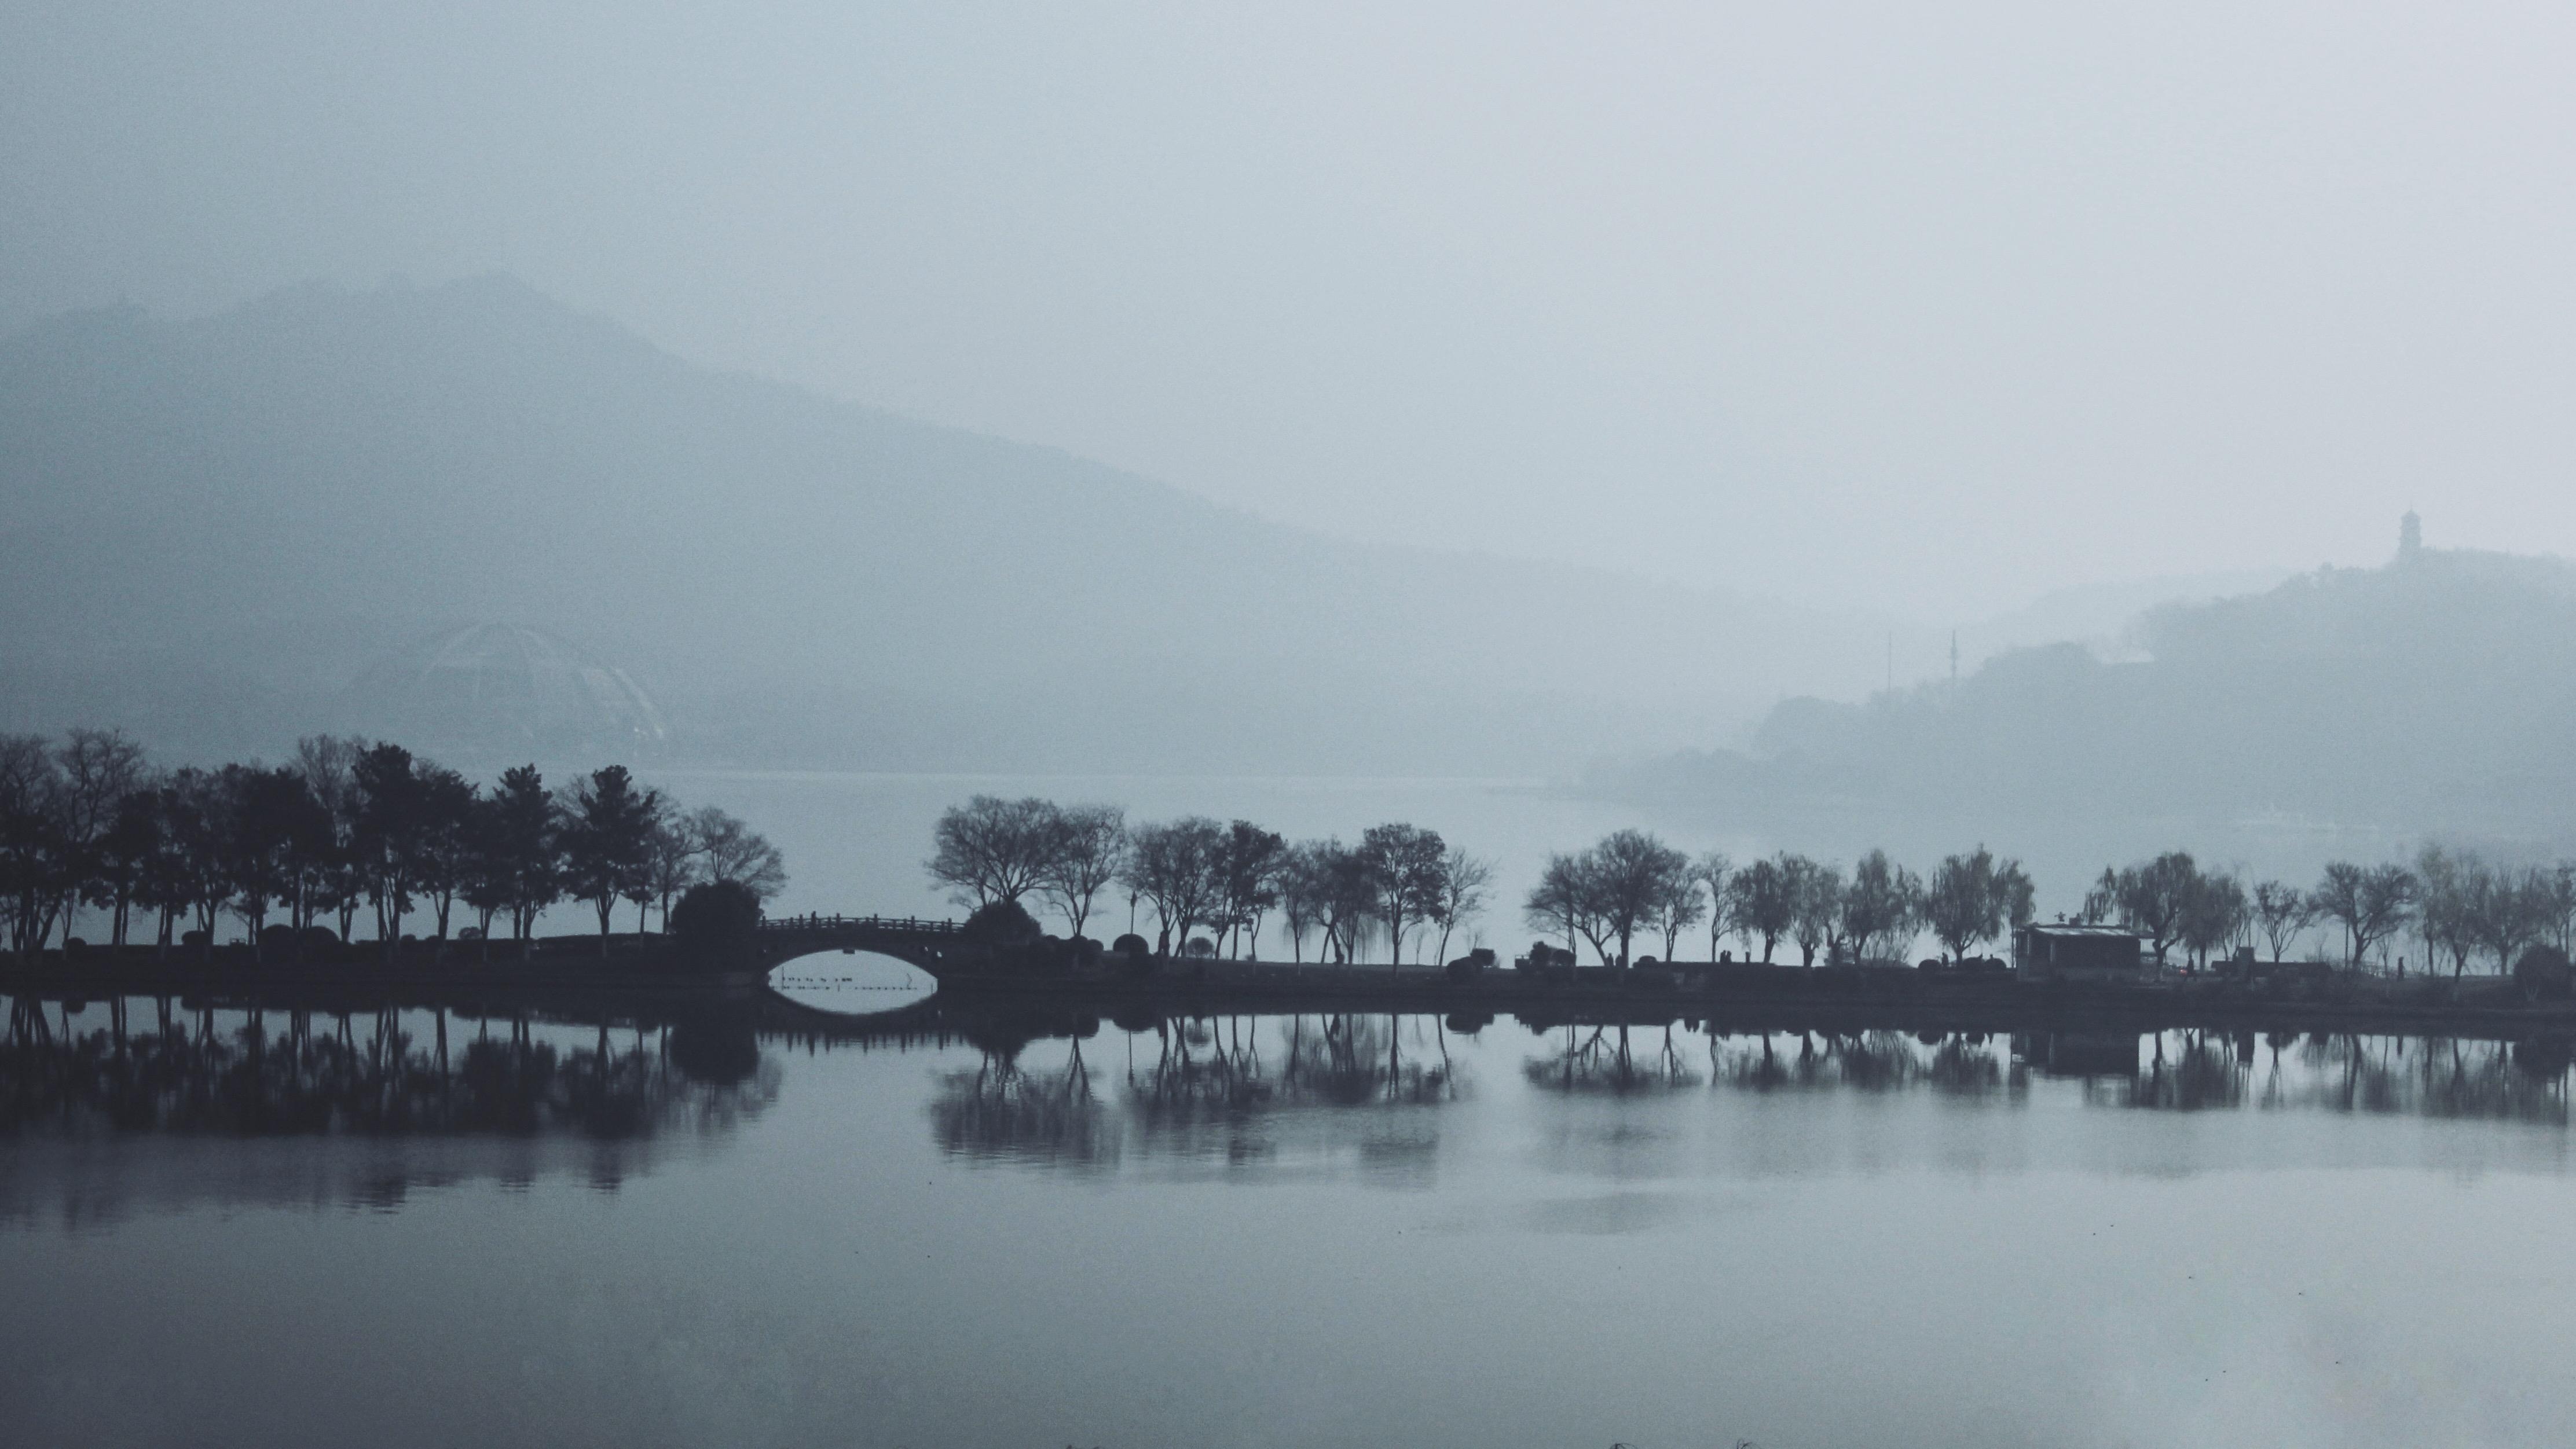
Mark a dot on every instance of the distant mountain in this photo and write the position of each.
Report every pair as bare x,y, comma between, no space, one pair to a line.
213,527
2437,693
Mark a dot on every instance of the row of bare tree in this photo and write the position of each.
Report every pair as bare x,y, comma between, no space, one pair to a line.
348,826
2458,904
1400,884
1402,887
1632,882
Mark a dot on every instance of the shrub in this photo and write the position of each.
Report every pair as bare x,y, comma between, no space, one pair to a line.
715,917
1002,923
2543,974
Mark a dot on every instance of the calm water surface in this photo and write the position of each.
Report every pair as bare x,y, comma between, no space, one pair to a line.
1279,1231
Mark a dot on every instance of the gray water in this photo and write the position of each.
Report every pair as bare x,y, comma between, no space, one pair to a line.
1278,1230
1313,1230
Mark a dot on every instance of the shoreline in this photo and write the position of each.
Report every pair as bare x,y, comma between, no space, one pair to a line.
648,975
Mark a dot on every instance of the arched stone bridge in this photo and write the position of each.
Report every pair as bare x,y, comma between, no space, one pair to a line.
932,946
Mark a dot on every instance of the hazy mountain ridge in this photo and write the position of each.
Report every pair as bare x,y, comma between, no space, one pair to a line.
243,511
2437,693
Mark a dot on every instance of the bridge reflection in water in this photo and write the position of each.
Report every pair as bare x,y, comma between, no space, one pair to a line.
855,983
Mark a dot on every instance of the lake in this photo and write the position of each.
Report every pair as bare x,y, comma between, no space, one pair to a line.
1278,1231
1263,1231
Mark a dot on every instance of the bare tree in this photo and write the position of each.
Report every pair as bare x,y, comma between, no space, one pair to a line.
2507,910
732,853
1625,881
1679,908
1464,880
1404,866
672,865
2215,915
2282,913
2558,905
1173,865
1247,882
1348,899
1562,901
2370,902
1714,870
1816,895
990,849
2442,906
1303,884
1090,845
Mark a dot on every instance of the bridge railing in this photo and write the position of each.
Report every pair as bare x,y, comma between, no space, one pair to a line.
905,925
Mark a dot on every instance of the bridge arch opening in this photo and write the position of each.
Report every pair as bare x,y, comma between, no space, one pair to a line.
852,983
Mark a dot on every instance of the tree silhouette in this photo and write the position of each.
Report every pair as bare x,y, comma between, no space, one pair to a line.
1762,903
608,840
1883,901
1090,844
1714,870
1173,865
2282,913
2371,901
1403,865
729,850
1464,879
1975,898
527,845
991,849
392,815
2151,899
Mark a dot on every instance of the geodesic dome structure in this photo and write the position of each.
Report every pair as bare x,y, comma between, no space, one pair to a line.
502,685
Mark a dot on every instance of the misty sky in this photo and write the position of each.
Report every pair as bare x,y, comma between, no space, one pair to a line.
1919,308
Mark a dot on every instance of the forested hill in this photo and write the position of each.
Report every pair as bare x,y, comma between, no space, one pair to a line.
214,525
2436,693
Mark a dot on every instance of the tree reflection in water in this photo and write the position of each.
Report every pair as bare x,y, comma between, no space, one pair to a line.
2439,1077
1964,1064
1605,1059
1000,1109
303,1073
1202,1087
